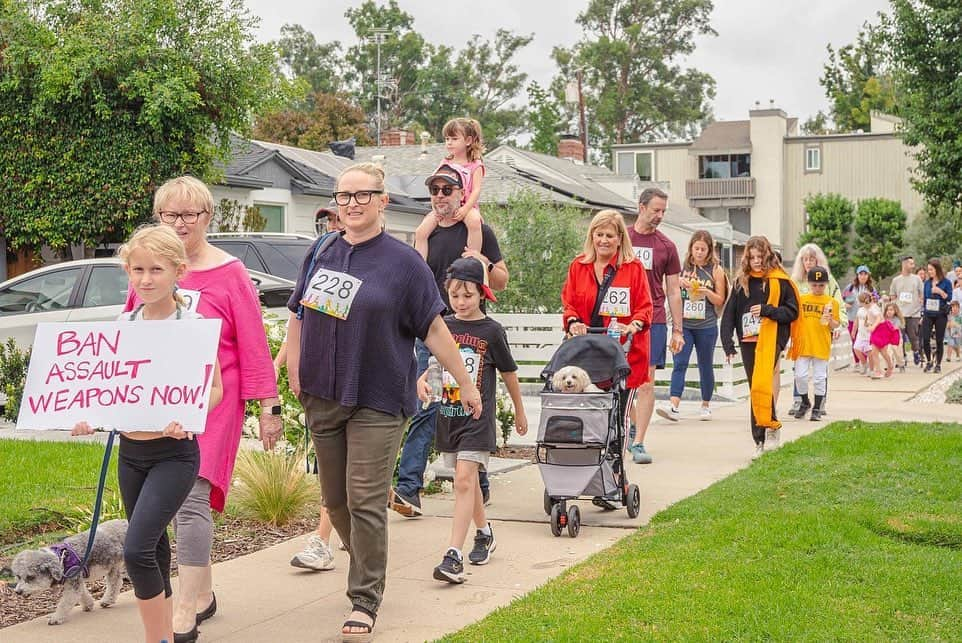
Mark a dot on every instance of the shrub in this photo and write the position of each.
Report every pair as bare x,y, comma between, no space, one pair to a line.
954,394
829,224
13,376
505,416
879,226
271,487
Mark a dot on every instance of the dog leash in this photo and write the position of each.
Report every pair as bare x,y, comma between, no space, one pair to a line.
76,570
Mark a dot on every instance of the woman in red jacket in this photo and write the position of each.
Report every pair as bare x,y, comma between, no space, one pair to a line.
608,267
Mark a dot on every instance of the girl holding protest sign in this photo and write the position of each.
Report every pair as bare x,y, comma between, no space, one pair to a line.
155,469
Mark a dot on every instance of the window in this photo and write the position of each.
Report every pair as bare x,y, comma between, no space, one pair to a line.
243,251
107,286
50,291
813,159
724,166
274,215
640,164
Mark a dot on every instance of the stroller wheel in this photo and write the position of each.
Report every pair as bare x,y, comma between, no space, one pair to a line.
574,521
634,501
548,503
556,517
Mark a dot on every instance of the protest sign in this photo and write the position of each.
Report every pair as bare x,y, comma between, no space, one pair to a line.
121,375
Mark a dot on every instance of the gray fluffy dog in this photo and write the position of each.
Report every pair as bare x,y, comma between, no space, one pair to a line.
39,569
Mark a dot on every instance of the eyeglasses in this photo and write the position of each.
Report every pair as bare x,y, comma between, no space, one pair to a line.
361,197
446,190
186,217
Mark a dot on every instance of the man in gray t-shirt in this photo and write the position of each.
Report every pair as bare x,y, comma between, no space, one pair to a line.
907,291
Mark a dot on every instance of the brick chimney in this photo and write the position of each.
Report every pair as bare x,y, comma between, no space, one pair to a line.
570,147
397,137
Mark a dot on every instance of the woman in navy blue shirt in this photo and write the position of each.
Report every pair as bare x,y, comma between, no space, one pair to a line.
937,291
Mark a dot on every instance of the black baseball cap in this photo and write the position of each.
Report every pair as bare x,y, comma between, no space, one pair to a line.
818,275
472,270
327,210
447,174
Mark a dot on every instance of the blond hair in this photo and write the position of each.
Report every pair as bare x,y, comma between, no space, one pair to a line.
374,171
809,250
467,127
160,241
613,219
186,188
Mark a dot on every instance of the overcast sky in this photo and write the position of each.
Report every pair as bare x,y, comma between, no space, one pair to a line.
764,49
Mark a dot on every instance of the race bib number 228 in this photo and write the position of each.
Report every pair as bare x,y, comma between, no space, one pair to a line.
331,292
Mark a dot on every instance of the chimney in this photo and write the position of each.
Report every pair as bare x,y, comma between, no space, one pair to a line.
570,147
397,137
425,139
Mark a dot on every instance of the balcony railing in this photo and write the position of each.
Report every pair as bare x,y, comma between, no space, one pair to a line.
734,188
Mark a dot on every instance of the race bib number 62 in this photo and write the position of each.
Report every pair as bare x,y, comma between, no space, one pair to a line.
331,292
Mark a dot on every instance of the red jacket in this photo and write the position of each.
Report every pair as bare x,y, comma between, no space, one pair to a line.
578,298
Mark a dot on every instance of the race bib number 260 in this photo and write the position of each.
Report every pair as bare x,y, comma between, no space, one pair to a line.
331,292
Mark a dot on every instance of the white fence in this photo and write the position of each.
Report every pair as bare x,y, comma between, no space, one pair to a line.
535,337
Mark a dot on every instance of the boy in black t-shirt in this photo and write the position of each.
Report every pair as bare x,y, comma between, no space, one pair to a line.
466,443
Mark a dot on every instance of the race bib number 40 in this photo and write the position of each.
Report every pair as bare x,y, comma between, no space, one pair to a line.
331,293
645,256
693,309
616,303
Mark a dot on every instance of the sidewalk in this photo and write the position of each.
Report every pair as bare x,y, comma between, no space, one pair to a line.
262,598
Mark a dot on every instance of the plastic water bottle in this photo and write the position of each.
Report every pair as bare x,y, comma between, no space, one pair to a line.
614,330
435,381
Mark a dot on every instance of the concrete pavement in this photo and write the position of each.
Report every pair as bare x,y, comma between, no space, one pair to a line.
262,598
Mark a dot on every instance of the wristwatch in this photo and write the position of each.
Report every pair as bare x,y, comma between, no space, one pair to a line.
274,410
490,266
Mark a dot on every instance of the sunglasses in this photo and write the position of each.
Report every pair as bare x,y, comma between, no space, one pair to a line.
446,190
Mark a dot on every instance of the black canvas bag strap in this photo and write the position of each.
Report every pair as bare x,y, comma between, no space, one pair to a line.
602,291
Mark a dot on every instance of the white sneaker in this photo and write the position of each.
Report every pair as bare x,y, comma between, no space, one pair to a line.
759,451
317,555
705,413
669,412
773,439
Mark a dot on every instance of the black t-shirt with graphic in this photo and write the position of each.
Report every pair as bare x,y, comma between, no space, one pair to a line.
483,344
446,244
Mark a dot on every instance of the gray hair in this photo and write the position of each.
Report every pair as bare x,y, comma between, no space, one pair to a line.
649,193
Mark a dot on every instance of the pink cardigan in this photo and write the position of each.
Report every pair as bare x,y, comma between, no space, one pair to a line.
227,293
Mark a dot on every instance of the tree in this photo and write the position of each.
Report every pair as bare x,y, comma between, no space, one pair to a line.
878,225
102,101
635,89
829,224
858,80
545,120
927,45
328,118
538,262
935,232
318,64
816,125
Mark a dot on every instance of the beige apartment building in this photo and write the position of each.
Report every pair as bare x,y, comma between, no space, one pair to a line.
754,175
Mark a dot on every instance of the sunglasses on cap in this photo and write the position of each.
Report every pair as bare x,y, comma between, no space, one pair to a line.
446,190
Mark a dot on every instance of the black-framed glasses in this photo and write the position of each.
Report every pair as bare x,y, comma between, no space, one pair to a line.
446,190
186,217
361,197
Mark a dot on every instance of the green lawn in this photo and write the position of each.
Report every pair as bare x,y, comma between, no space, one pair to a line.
43,484
852,533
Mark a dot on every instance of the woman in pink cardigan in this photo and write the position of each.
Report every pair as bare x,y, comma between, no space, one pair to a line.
217,286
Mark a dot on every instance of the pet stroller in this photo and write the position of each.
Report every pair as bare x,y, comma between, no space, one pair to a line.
581,436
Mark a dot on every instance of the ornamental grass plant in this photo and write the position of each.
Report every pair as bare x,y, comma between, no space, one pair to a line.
271,487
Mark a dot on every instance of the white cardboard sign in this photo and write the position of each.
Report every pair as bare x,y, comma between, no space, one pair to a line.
129,376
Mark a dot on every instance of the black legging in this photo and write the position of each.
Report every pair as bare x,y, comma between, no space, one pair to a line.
748,361
155,477
938,322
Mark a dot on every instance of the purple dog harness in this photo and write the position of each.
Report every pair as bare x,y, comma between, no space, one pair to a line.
71,561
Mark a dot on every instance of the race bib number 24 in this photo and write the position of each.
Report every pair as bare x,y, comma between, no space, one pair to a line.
331,292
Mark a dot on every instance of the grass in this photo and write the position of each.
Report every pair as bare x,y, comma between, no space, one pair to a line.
46,486
852,533
954,394
272,488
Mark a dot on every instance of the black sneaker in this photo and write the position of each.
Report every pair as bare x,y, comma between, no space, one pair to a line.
409,507
486,497
803,409
917,358
451,569
483,546
817,414
928,367
937,369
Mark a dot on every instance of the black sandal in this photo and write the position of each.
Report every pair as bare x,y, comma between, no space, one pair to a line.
210,611
359,637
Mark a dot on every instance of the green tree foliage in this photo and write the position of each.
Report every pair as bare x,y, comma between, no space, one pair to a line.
935,232
858,80
631,53
101,101
829,225
302,57
927,48
324,119
878,225
816,125
538,241
545,120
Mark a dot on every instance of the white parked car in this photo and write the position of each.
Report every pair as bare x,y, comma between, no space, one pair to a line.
91,290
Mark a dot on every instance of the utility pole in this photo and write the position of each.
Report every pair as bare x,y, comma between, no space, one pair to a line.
379,35
581,109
